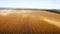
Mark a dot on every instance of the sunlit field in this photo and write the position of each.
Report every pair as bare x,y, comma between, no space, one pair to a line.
29,22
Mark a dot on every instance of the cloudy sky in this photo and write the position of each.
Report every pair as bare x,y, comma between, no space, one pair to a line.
38,4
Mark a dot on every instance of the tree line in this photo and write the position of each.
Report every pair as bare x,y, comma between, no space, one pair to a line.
54,11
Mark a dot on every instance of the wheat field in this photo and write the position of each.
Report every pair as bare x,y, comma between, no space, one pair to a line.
29,22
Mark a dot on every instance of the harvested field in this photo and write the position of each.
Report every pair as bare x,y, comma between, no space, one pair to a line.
29,22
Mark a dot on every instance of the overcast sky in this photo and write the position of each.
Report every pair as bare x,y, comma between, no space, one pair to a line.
40,4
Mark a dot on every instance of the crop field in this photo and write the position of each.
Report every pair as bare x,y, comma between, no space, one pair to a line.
29,22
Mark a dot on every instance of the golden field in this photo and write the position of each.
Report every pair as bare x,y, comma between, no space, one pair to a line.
29,22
